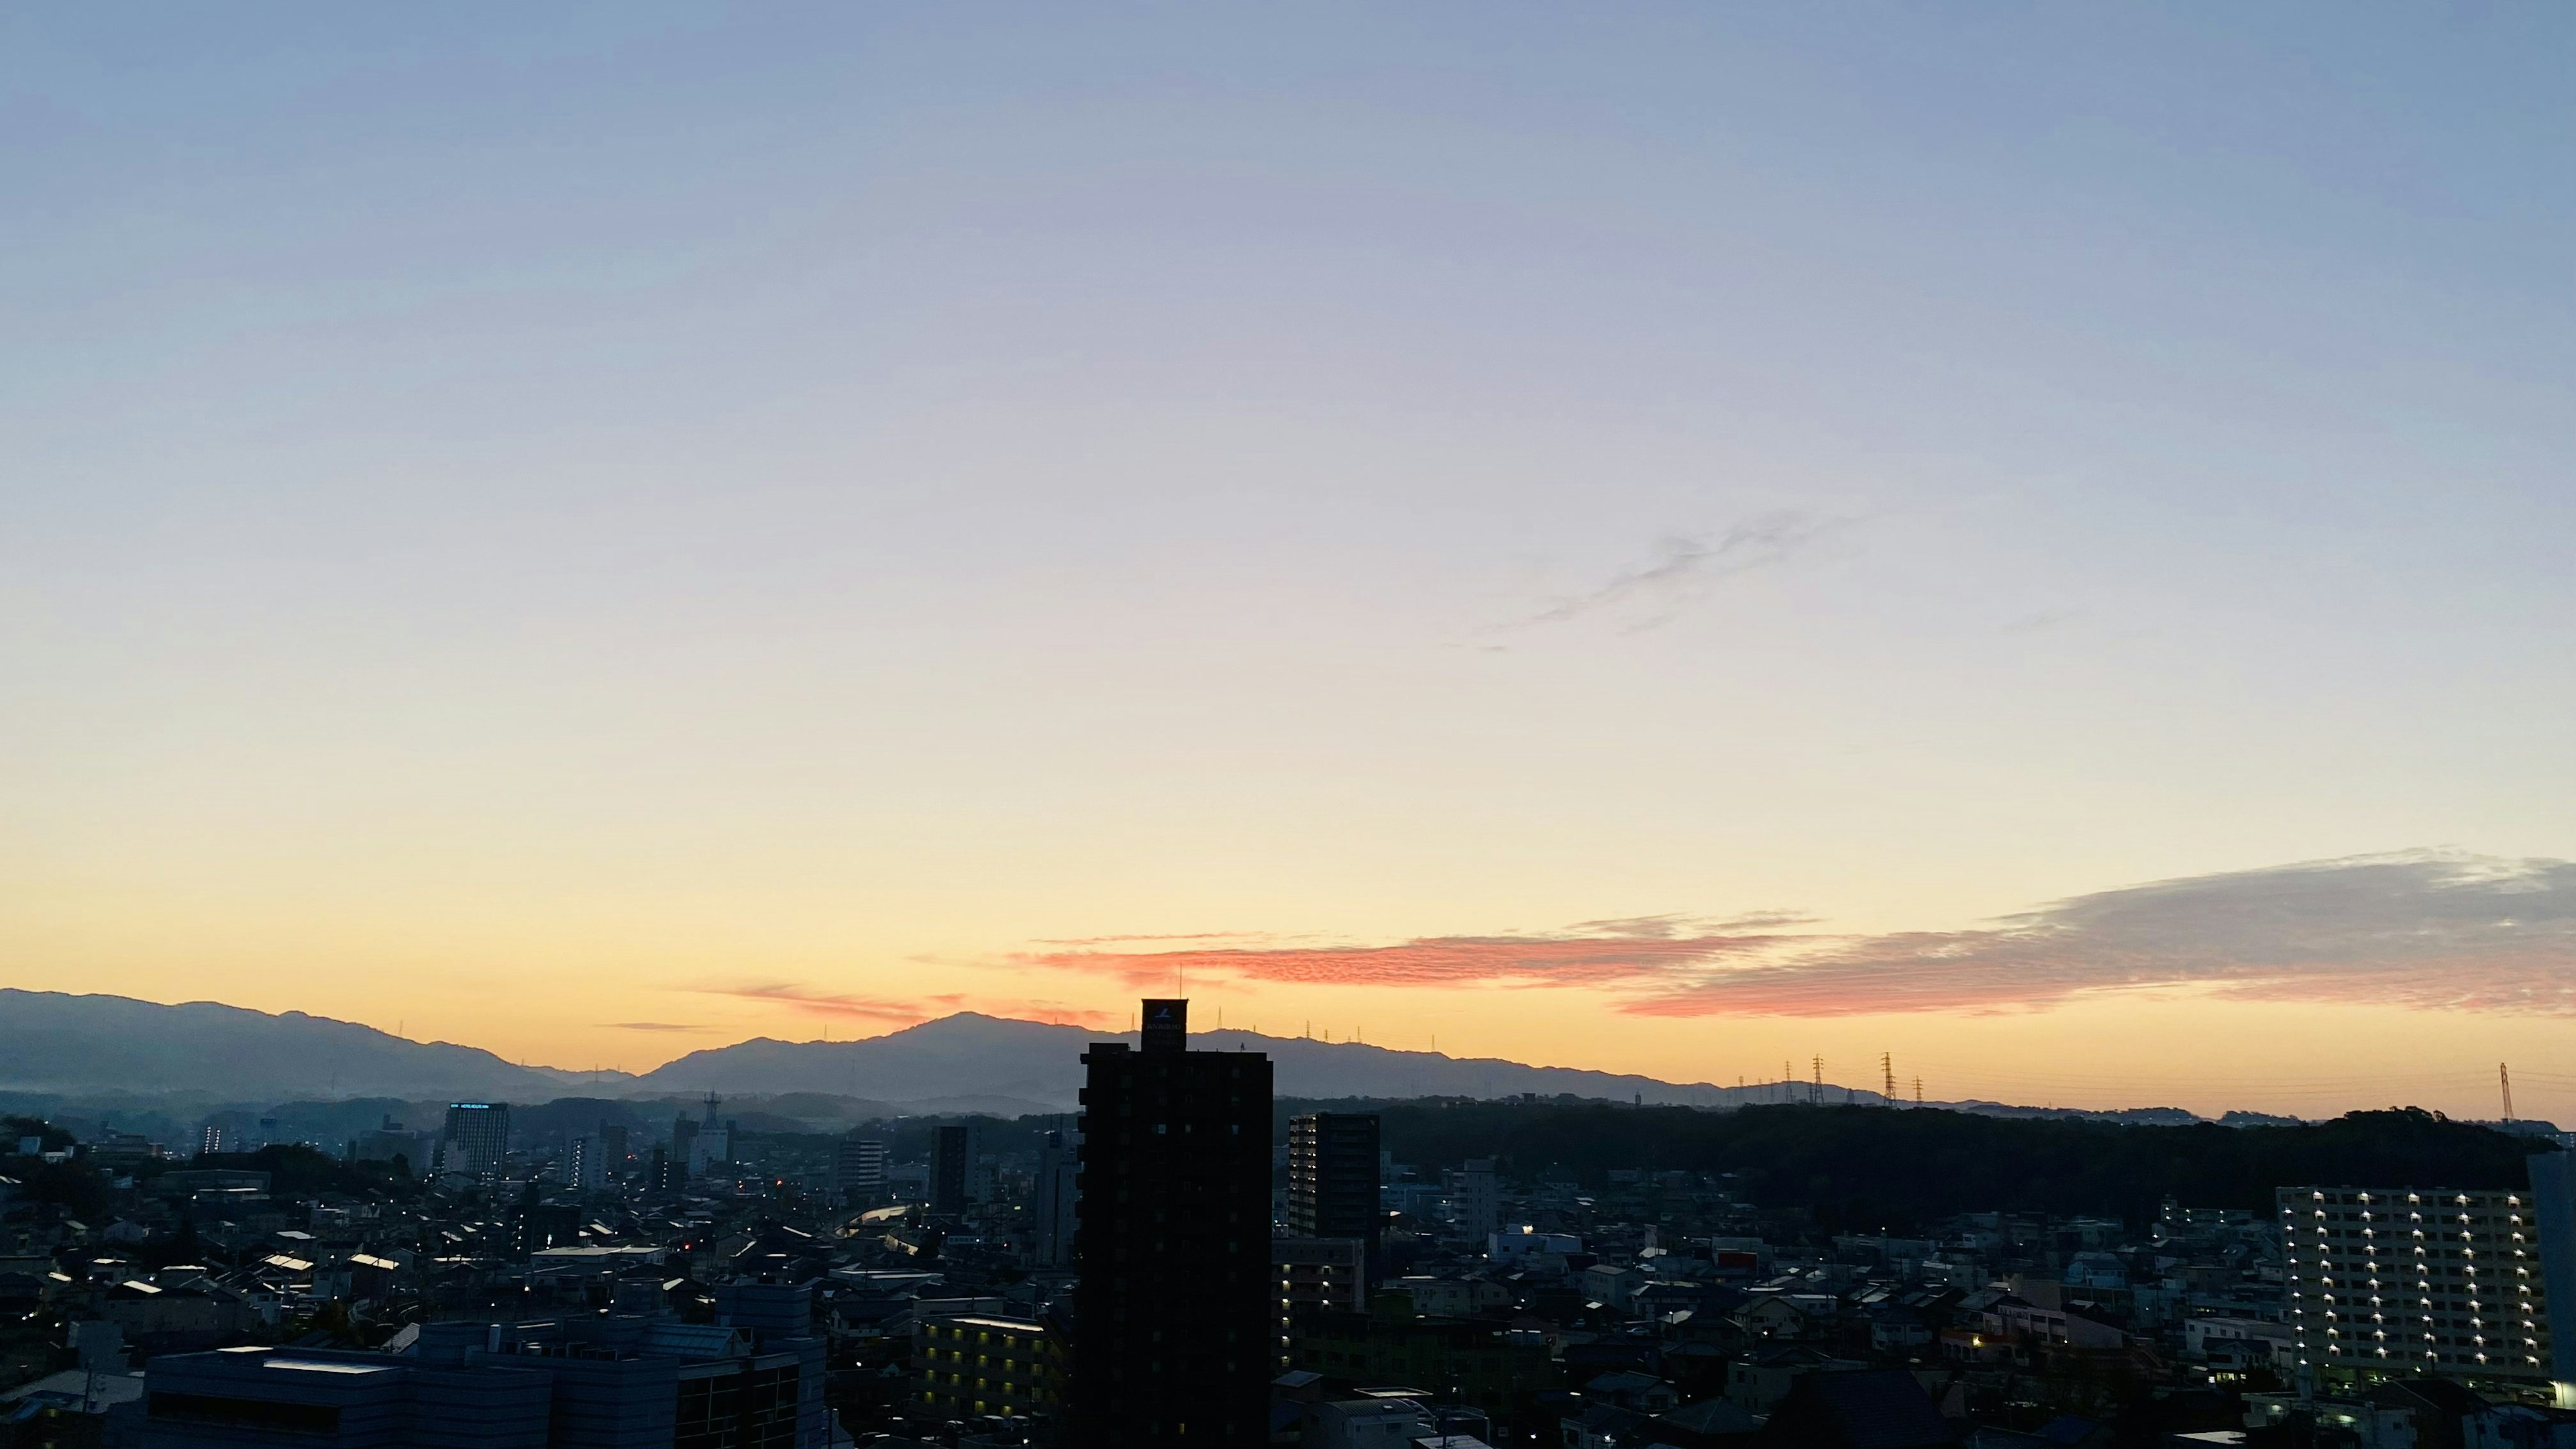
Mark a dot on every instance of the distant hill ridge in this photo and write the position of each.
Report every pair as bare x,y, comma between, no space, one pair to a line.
59,1042
968,1062
972,1053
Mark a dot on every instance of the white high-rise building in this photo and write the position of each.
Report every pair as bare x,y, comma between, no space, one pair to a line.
587,1167
712,1147
2416,1281
477,1138
1476,1205
859,1170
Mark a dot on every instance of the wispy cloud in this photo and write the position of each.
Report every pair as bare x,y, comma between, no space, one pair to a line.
654,1026
823,1003
2045,619
2428,930
2431,930
1655,591
1601,953
1662,928
1085,941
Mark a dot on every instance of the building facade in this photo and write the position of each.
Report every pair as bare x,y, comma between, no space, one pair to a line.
586,1163
1476,1200
2416,1281
1052,1207
1320,1273
1333,1181
971,1366
620,1381
1176,1314
477,1138
859,1170
952,1168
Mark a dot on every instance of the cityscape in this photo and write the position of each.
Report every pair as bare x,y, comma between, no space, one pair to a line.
1436,724
1190,1257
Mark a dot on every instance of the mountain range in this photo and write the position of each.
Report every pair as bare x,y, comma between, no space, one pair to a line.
970,1053
79,1044
63,1046
57,1042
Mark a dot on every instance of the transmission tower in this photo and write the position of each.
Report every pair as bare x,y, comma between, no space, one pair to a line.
2504,1079
1816,1094
1887,1073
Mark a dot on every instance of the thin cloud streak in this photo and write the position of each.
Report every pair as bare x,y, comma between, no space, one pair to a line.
818,1003
1088,941
1652,594
1639,953
654,1026
2426,930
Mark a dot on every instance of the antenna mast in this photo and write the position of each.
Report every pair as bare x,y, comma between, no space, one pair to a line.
2504,1079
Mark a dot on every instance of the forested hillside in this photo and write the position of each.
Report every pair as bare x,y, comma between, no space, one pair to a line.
1878,1165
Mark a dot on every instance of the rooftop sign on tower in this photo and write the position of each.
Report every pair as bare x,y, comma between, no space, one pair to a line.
1167,1025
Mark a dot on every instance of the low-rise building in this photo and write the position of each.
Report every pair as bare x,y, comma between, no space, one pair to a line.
1758,1381
1483,1364
1369,1423
2238,1343
618,1379
1321,1273
978,1365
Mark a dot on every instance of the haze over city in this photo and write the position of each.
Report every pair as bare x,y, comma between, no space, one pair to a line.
1669,541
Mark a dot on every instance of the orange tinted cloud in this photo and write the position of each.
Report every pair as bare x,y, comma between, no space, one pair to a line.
1604,954
2424,930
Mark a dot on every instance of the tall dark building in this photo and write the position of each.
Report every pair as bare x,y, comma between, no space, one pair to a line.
1332,1180
1052,1205
1176,1333
952,1168
684,1144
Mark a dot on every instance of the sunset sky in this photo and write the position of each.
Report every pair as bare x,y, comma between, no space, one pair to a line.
2035,539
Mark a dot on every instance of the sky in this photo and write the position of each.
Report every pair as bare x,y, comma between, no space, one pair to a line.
2036,540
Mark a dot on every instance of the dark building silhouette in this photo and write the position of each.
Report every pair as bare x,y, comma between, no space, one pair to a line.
1857,1409
952,1169
1052,1207
684,1142
1175,1334
1332,1181
539,1226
